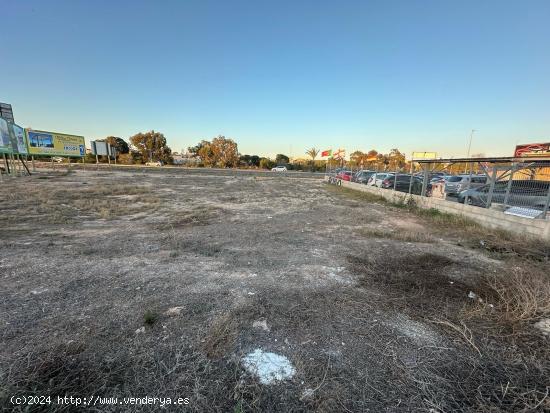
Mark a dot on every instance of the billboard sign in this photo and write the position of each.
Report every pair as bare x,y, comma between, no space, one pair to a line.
5,142
53,143
18,139
100,148
532,150
6,111
424,155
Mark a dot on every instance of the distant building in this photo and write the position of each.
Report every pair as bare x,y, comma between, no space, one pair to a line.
185,159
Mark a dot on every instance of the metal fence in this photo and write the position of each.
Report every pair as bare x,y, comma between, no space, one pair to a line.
514,186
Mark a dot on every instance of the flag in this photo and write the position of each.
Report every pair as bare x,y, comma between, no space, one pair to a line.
328,152
339,154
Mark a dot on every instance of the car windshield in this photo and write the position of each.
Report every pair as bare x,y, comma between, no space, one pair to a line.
455,178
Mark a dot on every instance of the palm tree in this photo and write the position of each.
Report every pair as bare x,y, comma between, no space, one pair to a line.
313,152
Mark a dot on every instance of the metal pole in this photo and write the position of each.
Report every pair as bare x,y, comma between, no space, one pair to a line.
1,173
33,165
469,165
6,163
470,145
395,179
425,180
509,185
411,177
546,205
492,187
13,166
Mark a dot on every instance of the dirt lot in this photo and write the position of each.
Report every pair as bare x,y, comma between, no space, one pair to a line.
132,284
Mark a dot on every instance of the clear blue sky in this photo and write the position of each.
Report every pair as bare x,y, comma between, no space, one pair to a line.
282,76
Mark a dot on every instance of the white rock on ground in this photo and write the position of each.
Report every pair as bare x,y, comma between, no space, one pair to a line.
261,324
173,311
544,326
268,367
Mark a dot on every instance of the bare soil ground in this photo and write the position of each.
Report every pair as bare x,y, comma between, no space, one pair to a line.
132,284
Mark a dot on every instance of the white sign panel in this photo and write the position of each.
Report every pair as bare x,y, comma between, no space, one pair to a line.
20,139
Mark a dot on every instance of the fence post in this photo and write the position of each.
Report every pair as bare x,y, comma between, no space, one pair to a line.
509,185
492,187
546,205
425,180
395,178
468,186
411,178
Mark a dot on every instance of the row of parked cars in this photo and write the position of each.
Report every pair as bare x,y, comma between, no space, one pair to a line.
464,188
401,182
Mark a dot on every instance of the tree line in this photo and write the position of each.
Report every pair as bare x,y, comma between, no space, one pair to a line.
143,147
223,152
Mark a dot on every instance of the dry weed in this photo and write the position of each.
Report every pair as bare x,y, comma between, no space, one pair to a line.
406,236
221,336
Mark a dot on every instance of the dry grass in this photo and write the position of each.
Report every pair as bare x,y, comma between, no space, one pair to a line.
342,337
57,206
466,231
221,336
518,296
499,361
353,194
522,295
197,216
401,235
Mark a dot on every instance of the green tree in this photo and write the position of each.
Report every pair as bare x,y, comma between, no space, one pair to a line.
221,152
206,154
119,144
266,163
281,159
152,146
357,158
226,153
194,150
313,152
250,160
396,159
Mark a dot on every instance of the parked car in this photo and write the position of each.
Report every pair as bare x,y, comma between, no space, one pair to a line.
377,178
279,169
530,194
57,159
362,177
458,183
440,179
344,175
403,183
154,163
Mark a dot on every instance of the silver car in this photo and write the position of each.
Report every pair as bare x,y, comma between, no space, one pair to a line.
525,193
377,179
456,184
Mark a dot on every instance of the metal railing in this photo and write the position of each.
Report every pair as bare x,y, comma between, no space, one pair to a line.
515,186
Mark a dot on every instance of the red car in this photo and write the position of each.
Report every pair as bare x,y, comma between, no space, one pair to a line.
344,175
